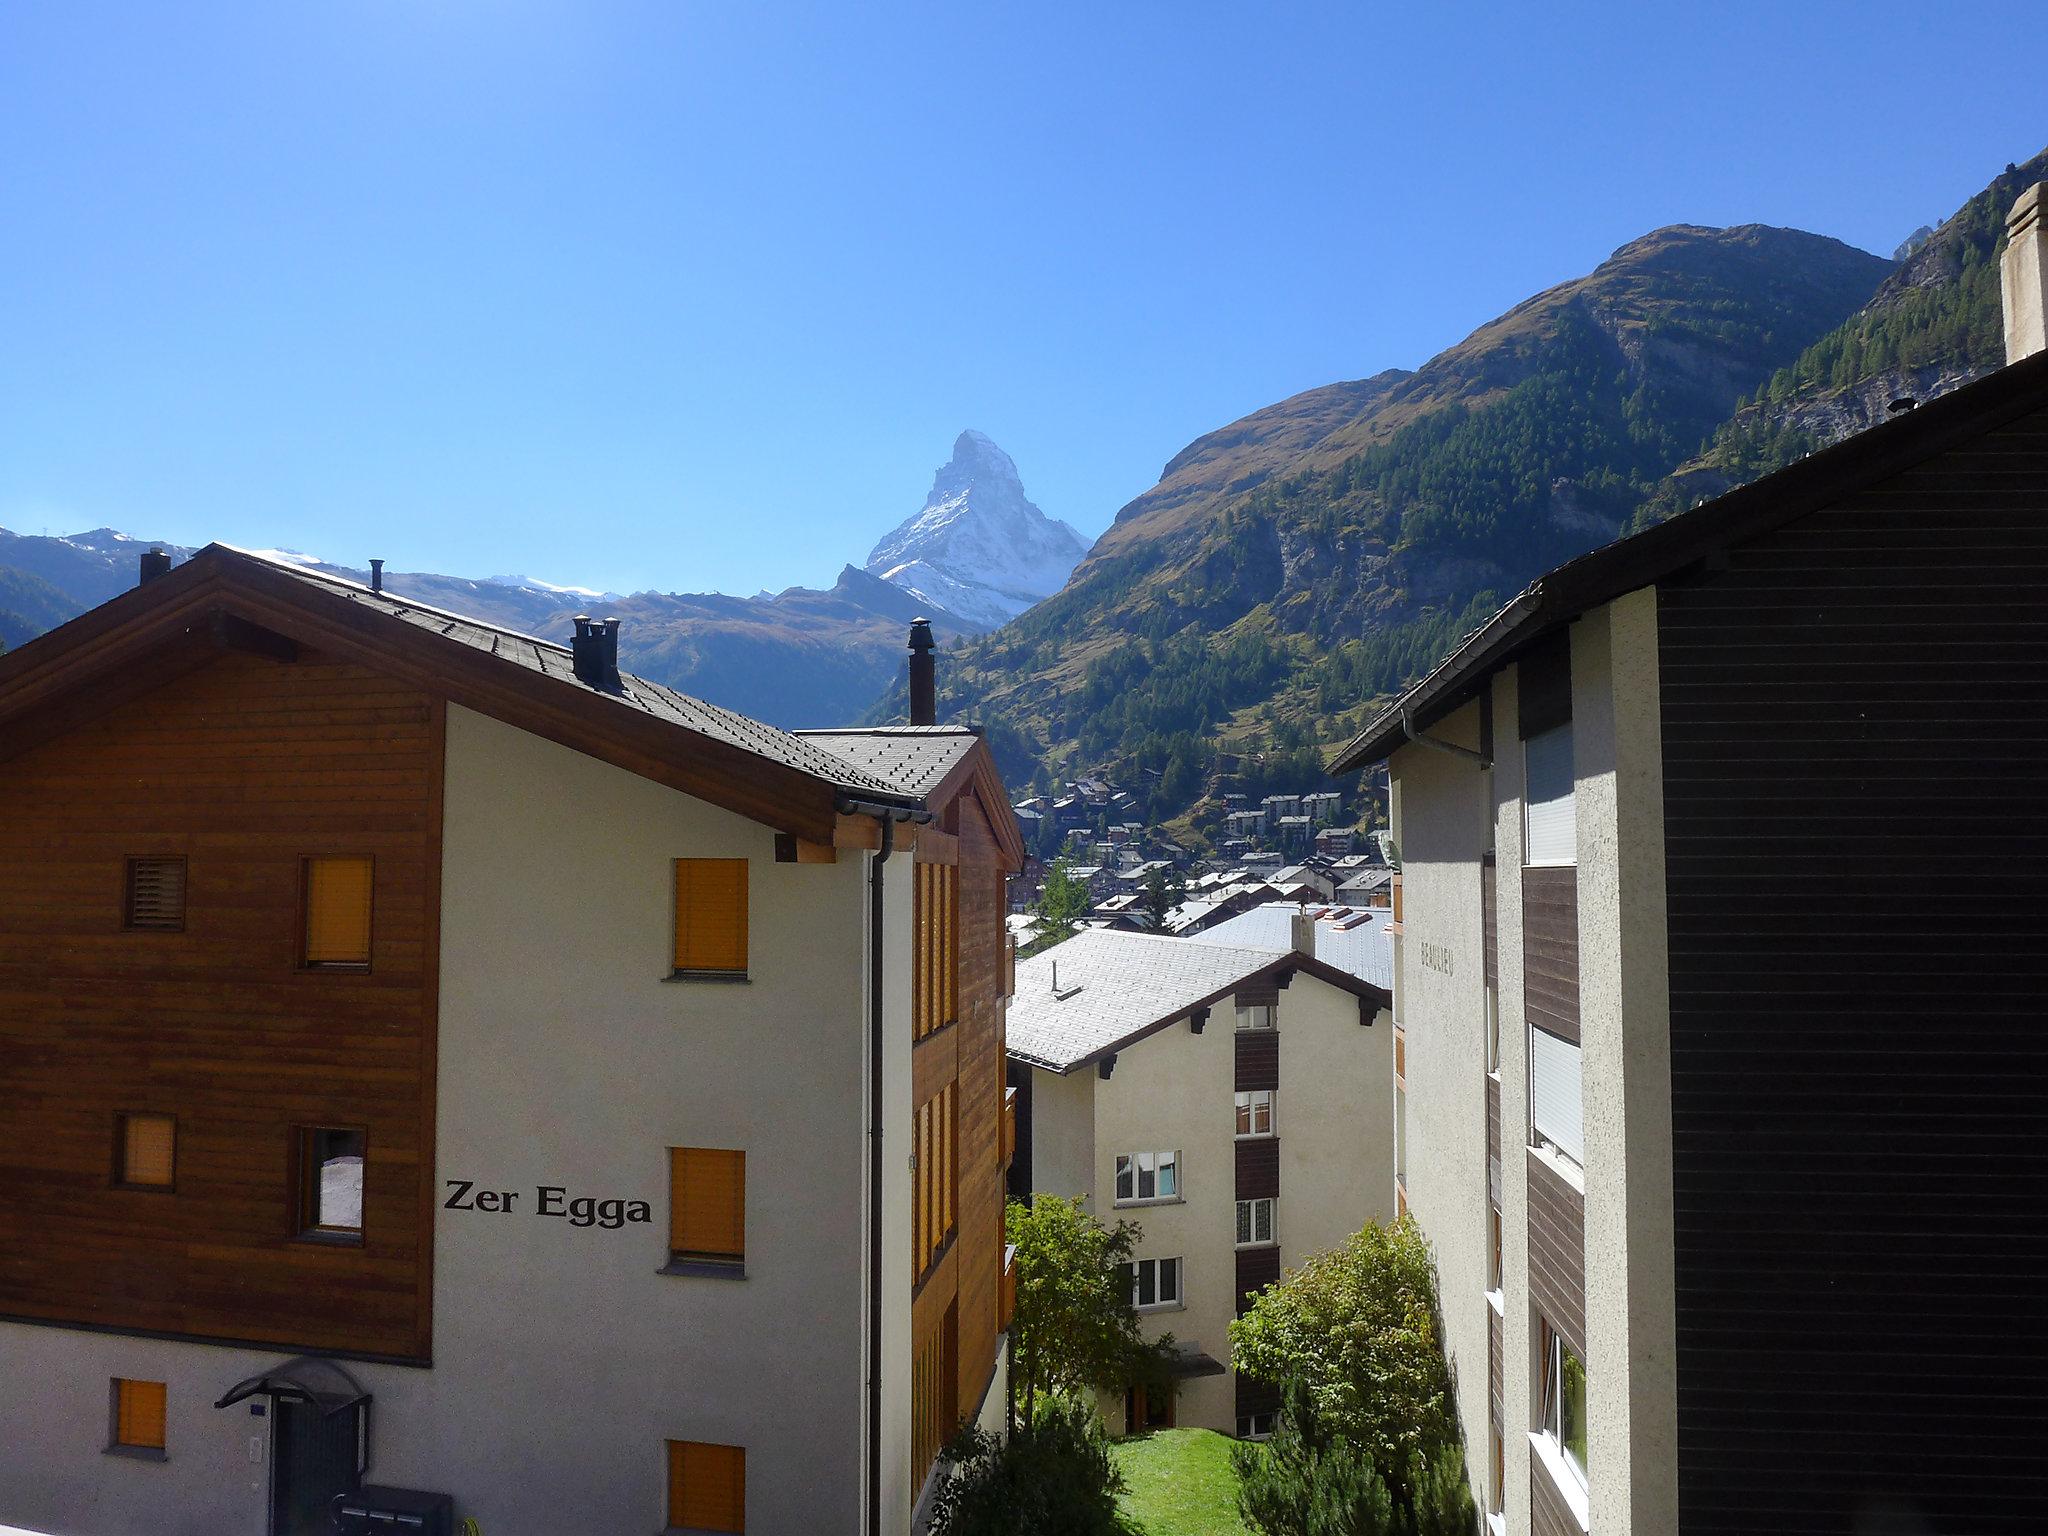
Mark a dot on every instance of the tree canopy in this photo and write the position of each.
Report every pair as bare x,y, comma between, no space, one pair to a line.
1074,1328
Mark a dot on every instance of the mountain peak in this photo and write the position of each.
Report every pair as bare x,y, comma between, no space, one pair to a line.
978,547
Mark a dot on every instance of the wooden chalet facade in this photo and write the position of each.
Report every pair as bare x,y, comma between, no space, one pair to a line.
407,1020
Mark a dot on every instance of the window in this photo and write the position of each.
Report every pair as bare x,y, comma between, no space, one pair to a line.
937,1180
1551,821
1254,1426
1255,1112
330,1184
138,1416
711,918
1256,1016
154,901
1493,1269
337,914
935,991
1492,1029
1254,1222
1556,1116
707,1206
1155,1283
707,1486
934,1392
1564,1399
1148,1176
146,1152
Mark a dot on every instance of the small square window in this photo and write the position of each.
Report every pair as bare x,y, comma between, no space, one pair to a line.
146,1152
1148,1176
1254,1222
337,907
138,1416
1254,1426
707,1487
1255,1112
1255,1016
330,1184
154,896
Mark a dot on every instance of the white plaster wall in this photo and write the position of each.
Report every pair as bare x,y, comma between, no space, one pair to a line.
1624,1007
1063,1135
1335,1118
562,1359
1442,834
1175,1091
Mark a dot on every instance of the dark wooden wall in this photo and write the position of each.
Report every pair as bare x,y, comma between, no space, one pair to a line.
243,767
1550,948
1855,723
1557,1255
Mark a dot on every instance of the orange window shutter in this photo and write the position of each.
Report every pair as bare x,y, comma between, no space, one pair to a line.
148,1150
338,894
139,1414
707,1202
707,1486
711,915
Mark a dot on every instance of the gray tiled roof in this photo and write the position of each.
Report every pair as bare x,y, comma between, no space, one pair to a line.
1128,982
550,659
1358,943
917,758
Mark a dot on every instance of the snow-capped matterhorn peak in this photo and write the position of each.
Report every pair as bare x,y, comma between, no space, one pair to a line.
977,547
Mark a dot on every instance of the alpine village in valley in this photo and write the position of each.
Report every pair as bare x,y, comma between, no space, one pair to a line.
1473,963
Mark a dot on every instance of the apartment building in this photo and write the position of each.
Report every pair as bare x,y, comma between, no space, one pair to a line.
433,1060
1733,1159
1233,1102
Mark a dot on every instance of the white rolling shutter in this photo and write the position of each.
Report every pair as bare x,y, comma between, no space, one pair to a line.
1554,1102
1553,825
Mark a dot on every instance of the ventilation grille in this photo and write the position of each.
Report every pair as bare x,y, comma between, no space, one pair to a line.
156,894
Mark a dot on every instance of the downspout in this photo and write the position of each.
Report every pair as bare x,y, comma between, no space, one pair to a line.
886,816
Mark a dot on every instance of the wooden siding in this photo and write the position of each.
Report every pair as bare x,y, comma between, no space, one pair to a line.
1493,1119
1258,1168
1549,1514
242,767
1496,1364
1550,949
1262,991
1557,1254
1257,1268
1855,727
1489,922
1258,1060
966,1284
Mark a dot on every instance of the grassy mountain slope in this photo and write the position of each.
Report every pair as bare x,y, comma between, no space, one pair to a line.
1933,324
1296,564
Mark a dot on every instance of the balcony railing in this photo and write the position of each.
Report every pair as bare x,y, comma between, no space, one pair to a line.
1009,1126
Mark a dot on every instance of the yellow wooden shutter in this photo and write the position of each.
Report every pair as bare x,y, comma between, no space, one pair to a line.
707,1213
148,1150
711,914
707,1486
139,1414
338,911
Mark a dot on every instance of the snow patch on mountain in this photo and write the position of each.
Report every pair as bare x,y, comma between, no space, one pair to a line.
978,547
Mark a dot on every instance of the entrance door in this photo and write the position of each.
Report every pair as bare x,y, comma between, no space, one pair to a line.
1145,1411
313,1457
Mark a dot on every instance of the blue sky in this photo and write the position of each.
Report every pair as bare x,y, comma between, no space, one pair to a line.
697,296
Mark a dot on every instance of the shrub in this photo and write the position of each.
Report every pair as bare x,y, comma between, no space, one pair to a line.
1055,1477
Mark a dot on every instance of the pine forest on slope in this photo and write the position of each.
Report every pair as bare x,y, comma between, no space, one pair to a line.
1295,567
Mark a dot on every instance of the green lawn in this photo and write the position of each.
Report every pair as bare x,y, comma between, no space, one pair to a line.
1180,1482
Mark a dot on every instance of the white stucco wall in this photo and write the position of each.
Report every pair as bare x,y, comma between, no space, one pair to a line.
562,1359
1063,1134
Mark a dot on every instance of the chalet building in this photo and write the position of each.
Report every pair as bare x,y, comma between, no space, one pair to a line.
1234,1102
1734,1165
433,1060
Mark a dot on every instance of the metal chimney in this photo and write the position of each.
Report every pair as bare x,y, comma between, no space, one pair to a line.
594,652
376,575
924,686
155,563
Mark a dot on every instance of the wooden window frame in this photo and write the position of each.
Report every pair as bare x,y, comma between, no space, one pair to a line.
717,1264
119,1179
306,1199
935,1179
141,1450
712,973
334,967
129,867
678,1450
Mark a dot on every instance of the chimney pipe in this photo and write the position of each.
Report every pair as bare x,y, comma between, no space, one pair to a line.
2023,275
155,563
376,575
924,687
1304,933
594,652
